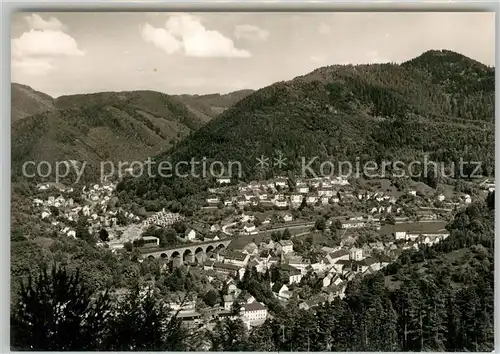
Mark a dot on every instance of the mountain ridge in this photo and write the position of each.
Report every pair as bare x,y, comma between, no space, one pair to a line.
340,113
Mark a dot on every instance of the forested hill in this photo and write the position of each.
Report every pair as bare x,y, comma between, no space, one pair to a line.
115,126
27,101
440,103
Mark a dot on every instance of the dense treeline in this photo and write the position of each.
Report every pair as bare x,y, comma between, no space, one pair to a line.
426,107
434,299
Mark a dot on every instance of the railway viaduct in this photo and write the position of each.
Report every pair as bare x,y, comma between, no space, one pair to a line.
187,253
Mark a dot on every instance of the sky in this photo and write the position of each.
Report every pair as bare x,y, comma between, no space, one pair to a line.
198,53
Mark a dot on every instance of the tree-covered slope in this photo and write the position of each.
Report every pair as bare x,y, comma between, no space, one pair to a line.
26,101
115,126
338,113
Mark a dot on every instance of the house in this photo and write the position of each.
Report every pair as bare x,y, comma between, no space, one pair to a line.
233,289
224,180
284,293
259,264
400,235
237,258
284,246
228,302
247,218
296,198
327,280
213,200
298,262
225,268
349,224
190,235
253,314
356,254
324,200
151,241
309,304
311,199
287,218
281,203
412,192
325,193
295,275
333,257
362,265
250,229
302,188
334,291
341,265
251,249
281,182
214,228
45,214
440,197
247,298
266,221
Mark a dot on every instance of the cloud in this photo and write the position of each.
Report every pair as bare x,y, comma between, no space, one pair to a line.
324,29
34,51
38,23
45,43
186,34
161,38
250,32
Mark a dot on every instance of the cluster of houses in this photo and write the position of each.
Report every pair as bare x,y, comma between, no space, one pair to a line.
163,219
63,212
338,266
279,194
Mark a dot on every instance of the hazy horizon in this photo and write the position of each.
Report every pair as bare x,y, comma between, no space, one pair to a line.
207,53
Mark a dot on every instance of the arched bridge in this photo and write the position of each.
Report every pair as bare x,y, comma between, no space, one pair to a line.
190,252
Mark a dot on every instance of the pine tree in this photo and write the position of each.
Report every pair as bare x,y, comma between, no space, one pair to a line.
57,312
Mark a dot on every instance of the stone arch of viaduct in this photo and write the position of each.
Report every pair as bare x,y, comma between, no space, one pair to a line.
189,252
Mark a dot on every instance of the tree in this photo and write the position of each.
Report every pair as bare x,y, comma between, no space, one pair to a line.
228,335
211,298
286,234
390,219
58,312
82,232
128,246
320,224
144,323
121,219
103,235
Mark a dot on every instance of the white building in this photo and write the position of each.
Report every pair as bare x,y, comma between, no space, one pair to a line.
302,189
253,314
400,235
190,235
250,229
284,246
224,180
356,254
